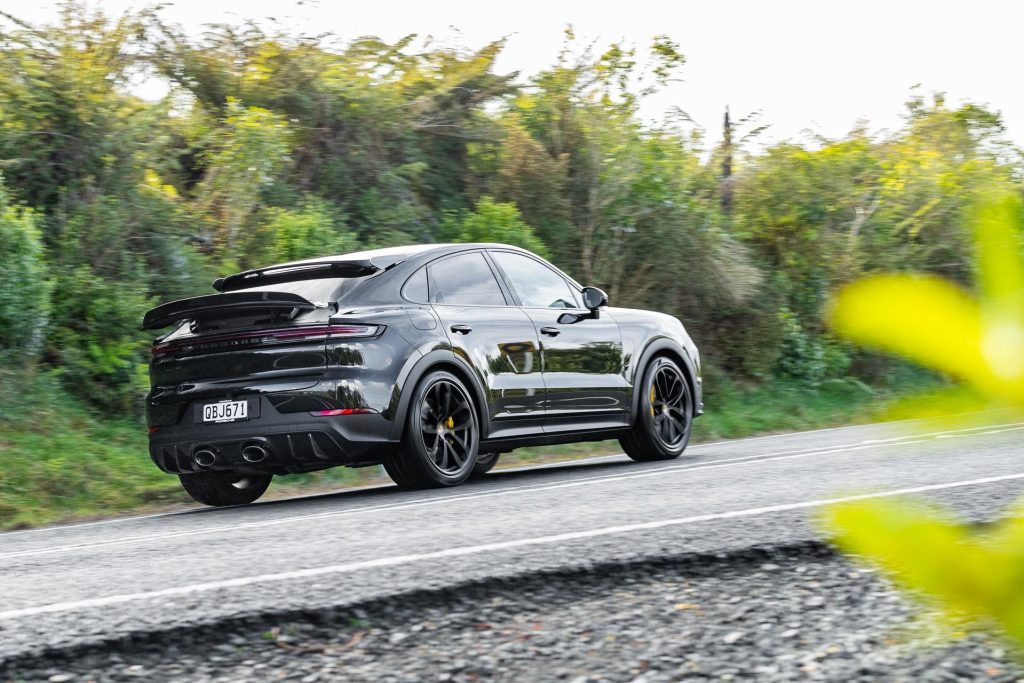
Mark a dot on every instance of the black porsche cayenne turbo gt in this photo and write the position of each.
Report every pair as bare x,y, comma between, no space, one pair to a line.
431,360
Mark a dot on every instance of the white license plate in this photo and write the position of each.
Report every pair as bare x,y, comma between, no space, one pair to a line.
226,411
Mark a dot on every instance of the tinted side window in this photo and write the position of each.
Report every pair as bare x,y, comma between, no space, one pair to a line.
536,285
416,287
465,279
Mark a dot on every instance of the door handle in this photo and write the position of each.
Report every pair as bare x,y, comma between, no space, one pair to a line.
461,329
550,331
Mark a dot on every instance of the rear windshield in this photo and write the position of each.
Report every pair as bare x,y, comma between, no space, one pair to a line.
323,289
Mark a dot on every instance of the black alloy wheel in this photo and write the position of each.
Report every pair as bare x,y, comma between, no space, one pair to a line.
663,425
225,488
441,436
668,406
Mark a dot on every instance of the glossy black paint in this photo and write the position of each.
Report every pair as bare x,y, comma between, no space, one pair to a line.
536,375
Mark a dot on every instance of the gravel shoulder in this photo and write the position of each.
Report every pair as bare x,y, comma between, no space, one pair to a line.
782,614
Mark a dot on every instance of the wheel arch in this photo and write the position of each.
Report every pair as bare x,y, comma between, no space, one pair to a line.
668,348
439,359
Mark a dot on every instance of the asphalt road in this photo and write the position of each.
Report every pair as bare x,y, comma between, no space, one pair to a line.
65,586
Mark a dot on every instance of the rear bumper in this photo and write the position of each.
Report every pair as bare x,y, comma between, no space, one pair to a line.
295,442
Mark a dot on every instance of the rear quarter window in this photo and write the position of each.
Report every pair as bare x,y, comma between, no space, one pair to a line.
415,288
464,279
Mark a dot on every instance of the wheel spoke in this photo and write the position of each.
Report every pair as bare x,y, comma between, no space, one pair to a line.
661,390
458,457
444,452
676,389
447,411
677,424
666,430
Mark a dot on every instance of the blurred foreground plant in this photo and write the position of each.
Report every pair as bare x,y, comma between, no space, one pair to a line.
977,575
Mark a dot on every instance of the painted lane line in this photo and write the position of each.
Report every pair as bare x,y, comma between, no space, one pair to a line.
527,489
701,447
441,500
462,551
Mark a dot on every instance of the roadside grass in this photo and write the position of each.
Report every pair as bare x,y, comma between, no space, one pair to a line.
60,461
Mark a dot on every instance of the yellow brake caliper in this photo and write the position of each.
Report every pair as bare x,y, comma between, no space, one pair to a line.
450,422
652,400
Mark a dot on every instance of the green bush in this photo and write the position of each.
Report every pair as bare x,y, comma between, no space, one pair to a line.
24,286
491,222
96,336
808,357
308,231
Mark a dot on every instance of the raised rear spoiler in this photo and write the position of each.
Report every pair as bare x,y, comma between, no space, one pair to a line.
215,305
311,270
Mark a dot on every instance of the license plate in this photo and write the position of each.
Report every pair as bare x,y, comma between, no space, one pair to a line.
225,411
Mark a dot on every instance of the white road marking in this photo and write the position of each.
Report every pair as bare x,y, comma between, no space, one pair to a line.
461,551
701,446
737,461
695,447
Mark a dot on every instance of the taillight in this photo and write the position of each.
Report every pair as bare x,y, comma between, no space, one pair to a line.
244,339
342,411
352,330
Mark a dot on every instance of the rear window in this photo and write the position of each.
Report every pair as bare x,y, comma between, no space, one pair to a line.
324,289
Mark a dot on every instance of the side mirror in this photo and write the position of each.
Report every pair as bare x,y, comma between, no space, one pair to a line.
594,298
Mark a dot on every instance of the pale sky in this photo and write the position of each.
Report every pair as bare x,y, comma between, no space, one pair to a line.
807,65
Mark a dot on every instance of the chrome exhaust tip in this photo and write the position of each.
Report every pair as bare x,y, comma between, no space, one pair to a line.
254,453
204,457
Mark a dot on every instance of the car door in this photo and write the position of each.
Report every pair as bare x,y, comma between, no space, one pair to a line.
581,351
496,338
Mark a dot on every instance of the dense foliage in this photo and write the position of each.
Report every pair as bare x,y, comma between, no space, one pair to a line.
271,147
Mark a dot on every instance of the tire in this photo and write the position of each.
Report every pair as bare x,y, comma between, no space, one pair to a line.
218,489
485,462
442,434
665,418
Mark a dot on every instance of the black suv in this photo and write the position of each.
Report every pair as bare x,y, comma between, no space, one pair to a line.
430,360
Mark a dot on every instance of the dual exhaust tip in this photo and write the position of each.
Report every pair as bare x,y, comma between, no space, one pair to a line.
253,453
204,457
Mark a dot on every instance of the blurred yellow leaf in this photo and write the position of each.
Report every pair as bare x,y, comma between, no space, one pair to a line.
977,339
938,324
920,317
979,575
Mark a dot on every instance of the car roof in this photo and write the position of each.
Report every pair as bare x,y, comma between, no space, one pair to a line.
389,256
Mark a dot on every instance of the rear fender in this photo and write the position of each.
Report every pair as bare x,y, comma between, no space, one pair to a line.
443,359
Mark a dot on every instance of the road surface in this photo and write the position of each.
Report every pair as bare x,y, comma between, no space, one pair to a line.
91,583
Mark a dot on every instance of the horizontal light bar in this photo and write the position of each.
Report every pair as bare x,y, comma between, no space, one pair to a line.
342,411
283,334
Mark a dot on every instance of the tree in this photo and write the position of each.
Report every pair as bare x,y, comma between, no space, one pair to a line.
490,222
25,285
